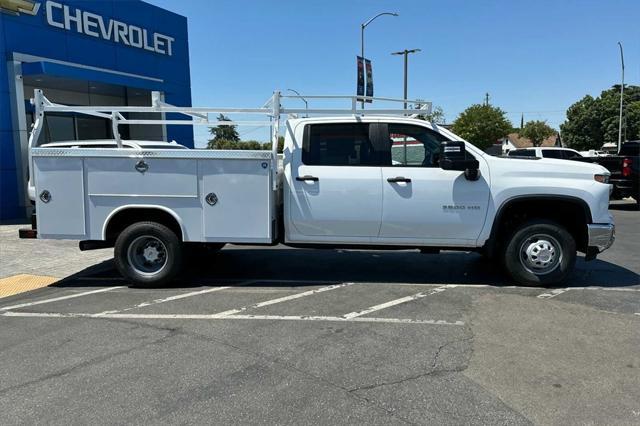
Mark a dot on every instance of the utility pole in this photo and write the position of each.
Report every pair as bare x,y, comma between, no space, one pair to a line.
406,53
621,98
362,28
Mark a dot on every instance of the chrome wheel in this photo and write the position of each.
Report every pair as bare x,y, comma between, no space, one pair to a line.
540,254
147,255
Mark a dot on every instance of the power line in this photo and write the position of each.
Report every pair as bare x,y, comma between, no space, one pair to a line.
252,130
536,112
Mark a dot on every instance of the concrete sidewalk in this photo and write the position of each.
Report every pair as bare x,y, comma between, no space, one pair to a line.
52,258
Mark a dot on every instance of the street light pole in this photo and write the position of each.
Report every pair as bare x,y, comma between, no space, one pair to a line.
621,99
362,27
406,53
306,104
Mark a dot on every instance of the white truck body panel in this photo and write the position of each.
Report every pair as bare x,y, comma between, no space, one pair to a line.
343,204
514,177
89,186
348,205
63,216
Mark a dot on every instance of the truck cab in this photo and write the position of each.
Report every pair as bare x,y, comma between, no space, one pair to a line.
378,181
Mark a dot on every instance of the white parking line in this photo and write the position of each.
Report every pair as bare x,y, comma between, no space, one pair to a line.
343,319
553,293
397,301
606,288
56,299
229,317
166,299
280,300
508,287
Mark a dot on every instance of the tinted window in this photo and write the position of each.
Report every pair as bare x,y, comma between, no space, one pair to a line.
522,153
338,145
552,153
413,146
62,127
93,128
571,154
59,128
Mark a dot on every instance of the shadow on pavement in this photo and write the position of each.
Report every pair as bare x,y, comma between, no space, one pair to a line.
285,266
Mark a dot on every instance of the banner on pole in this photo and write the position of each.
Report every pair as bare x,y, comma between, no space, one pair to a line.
360,85
369,72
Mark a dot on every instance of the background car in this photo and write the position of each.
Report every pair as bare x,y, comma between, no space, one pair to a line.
546,152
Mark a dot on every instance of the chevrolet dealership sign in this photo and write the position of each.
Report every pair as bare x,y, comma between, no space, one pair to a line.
73,19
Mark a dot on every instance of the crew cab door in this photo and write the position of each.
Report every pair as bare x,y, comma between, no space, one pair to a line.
423,203
335,190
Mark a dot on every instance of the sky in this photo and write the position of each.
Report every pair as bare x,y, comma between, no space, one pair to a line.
533,57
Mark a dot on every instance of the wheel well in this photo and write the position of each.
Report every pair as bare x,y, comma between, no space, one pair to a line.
129,216
569,212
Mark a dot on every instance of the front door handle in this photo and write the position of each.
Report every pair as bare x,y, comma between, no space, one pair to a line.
398,179
307,177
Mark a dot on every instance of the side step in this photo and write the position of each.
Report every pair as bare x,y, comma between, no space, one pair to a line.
94,245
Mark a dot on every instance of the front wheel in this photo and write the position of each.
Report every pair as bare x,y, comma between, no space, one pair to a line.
148,254
540,253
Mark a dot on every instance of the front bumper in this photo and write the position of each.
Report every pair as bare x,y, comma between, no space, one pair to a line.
601,235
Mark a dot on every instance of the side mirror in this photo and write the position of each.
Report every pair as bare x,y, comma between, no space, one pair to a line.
454,157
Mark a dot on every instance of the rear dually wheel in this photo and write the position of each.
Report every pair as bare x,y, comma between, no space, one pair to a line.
148,254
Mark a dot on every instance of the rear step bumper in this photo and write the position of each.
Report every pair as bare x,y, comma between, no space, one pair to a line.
29,233
25,233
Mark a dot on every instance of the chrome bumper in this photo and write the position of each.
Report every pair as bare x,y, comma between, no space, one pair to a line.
601,236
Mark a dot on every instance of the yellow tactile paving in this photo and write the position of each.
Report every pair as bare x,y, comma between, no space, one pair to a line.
23,282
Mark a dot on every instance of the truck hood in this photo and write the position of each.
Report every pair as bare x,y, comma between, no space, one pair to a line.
548,167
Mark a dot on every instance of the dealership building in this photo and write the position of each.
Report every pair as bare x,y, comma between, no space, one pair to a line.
109,52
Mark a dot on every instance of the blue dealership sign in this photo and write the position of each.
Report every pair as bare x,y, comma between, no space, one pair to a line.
127,43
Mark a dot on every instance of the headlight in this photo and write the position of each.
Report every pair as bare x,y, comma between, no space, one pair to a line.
601,178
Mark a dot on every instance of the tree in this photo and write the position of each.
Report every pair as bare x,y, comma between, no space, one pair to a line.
244,145
223,132
482,125
591,122
436,116
537,131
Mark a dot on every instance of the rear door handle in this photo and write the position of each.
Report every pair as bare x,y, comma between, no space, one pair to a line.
307,177
398,179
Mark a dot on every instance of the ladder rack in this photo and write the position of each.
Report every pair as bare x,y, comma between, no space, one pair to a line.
272,111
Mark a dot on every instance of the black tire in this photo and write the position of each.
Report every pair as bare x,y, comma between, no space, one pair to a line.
539,253
148,254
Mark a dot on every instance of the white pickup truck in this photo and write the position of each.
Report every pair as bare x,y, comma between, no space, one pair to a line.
369,181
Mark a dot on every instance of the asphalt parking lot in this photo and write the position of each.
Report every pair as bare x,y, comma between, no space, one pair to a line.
284,336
